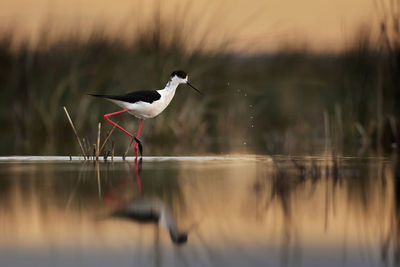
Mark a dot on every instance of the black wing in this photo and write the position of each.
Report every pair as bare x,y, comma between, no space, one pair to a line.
144,96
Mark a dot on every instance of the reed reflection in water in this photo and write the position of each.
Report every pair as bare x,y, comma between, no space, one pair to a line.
252,210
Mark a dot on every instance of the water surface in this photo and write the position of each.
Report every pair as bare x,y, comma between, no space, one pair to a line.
221,211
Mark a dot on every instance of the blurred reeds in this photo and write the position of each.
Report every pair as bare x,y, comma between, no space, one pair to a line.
290,101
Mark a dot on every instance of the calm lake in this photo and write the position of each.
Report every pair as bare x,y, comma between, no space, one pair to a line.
198,211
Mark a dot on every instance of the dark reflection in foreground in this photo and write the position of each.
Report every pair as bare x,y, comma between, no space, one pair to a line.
151,209
310,211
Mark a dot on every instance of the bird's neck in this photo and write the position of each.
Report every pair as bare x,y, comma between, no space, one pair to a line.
170,88
172,85
167,94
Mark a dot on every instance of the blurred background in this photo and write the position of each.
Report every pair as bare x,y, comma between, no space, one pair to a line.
278,76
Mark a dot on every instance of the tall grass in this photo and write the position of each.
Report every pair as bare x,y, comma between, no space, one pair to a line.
265,103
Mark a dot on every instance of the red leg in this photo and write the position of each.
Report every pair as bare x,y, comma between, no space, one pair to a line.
138,135
116,125
137,172
110,195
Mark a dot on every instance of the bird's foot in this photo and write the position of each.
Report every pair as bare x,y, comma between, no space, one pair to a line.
138,143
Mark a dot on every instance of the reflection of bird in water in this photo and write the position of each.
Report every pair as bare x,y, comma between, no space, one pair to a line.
148,209
153,210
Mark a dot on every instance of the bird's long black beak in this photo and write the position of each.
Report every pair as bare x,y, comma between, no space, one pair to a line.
194,88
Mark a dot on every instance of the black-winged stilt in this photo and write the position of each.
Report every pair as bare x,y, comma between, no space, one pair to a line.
146,104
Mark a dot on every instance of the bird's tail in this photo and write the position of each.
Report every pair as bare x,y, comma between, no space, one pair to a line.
96,95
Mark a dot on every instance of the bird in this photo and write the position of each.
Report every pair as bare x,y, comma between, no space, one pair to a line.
146,104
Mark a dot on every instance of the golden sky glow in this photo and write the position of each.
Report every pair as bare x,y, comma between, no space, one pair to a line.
251,25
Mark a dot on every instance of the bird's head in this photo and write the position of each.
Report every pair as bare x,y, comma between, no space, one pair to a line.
179,76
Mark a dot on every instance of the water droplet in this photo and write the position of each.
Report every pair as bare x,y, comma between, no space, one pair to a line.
245,94
244,143
252,126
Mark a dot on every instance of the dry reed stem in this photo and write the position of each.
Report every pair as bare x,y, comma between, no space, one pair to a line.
76,134
127,150
86,146
108,136
98,142
98,179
